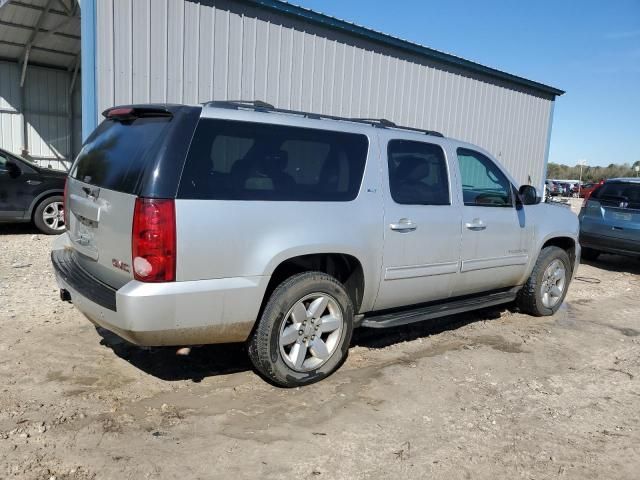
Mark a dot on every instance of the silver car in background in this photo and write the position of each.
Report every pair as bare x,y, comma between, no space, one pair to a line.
239,222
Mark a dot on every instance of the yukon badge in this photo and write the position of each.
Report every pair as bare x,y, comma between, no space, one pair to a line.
119,264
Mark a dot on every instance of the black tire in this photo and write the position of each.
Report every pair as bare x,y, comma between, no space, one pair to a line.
263,344
38,219
590,253
529,298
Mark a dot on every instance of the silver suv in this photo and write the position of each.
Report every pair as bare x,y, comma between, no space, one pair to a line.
236,221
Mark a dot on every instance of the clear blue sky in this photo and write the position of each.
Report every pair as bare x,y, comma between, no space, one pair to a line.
589,48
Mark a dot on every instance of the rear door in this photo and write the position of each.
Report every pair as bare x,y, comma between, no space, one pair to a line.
495,235
421,224
109,173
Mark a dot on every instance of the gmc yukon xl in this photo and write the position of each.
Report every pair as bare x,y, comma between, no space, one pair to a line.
240,222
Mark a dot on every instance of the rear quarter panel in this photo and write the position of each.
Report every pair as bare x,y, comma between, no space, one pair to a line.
222,239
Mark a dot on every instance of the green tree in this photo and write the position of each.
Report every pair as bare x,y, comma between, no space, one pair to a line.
590,174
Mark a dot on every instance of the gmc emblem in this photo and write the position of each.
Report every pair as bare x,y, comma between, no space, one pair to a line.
120,265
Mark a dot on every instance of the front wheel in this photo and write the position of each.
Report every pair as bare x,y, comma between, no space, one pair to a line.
547,286
304,332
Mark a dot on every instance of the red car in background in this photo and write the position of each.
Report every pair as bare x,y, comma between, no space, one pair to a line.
587,189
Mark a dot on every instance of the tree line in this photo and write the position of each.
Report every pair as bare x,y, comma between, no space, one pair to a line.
590,174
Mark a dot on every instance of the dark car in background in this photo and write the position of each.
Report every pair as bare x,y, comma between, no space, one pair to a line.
610,219
30,193
552,188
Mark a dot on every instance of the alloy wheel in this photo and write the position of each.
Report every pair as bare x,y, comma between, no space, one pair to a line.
310,332
53,216
554,281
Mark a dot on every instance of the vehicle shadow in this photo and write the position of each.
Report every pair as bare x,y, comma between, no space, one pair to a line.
615,263
19,229
225,359
165,364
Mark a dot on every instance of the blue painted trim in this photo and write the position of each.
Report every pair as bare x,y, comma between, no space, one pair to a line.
88,56
548,147
388,40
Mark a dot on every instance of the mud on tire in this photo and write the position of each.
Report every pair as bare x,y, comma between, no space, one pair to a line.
298,340
530,297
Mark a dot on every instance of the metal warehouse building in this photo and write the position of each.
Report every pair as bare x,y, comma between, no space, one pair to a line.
191,51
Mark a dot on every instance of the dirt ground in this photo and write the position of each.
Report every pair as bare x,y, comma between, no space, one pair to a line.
491,394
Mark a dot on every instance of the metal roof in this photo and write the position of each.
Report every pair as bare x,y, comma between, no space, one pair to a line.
47,32
42,32
391,41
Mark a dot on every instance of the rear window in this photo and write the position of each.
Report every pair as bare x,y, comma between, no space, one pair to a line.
619,194
252,161
117,153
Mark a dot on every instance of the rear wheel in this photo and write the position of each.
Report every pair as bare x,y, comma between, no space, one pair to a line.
49,215
590,253
547,286
304,332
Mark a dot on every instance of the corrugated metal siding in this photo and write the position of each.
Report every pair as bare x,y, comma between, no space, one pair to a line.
187,51
46,109
10,108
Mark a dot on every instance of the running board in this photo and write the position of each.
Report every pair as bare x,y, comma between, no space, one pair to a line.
441,309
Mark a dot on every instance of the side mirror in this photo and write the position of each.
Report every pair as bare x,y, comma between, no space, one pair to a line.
528,195
13,169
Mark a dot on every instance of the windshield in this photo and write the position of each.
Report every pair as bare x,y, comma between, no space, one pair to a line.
31,163
14,156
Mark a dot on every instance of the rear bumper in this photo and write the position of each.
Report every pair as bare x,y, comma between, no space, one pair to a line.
610,244
156,314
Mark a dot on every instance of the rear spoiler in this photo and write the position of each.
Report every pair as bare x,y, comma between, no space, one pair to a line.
131,113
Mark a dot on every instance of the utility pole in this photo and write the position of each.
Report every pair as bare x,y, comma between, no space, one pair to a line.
582,163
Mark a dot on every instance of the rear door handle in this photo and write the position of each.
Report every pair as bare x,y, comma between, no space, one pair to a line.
476,225
403,225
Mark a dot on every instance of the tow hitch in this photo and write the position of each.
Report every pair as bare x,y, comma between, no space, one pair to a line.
65,296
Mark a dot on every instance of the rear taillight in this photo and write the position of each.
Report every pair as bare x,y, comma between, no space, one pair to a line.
65,204
153,243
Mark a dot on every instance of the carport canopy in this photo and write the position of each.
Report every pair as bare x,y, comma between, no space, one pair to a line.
40,32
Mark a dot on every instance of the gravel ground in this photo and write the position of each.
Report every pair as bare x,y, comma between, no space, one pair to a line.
491,394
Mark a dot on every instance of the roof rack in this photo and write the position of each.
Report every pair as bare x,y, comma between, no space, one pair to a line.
257,104
377,122
384,123
260,106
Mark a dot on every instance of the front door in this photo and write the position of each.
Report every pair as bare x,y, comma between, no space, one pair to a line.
422,226
495,235
17,182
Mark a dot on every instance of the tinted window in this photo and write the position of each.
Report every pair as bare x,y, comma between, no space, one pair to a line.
483,184
117,153
253,161
417,173
619,193
3,162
